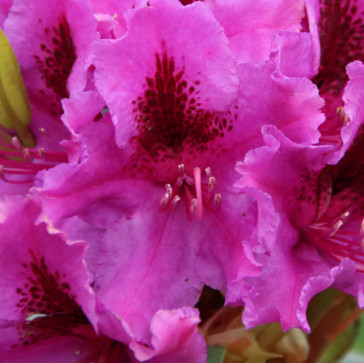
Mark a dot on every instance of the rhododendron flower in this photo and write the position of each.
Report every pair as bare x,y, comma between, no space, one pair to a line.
48,307
51,52
163,196
51,41
320,237
178,144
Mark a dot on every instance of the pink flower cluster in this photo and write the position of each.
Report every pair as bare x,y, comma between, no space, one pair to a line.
178,144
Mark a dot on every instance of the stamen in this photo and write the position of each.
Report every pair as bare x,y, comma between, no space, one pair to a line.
19,164
197,175
343,116
169,189
193,206
175,200
197,191
217,199
337,241
211,184
181,169
337,226
165,200
16,143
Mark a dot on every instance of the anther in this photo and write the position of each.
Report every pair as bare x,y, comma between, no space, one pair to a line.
193,206
41,152
43,131
26,154
341,113
165,200
169,189
181,168
175,200
337,226
211,184
346,214
16,143
208,172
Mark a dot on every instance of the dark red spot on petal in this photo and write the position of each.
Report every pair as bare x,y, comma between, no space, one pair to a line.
341,38
56,59
187,2
48,295
169,117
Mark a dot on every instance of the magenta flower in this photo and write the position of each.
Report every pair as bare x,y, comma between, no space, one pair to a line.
162,197
48,307
320,237
51,41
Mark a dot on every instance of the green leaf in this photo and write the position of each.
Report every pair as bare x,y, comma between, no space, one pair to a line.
14,103
215,354
340,345
359,343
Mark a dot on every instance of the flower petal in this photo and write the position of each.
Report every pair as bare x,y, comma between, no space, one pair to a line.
174,338
203,68
249,35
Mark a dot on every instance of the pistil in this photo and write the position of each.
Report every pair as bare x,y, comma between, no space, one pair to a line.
197,175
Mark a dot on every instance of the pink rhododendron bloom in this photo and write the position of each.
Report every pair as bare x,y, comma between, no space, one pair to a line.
156,173
51,41
178,144
48,310
320,237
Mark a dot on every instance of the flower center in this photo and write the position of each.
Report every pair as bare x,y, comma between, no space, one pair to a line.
342,237
177,138
197,190
339,229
